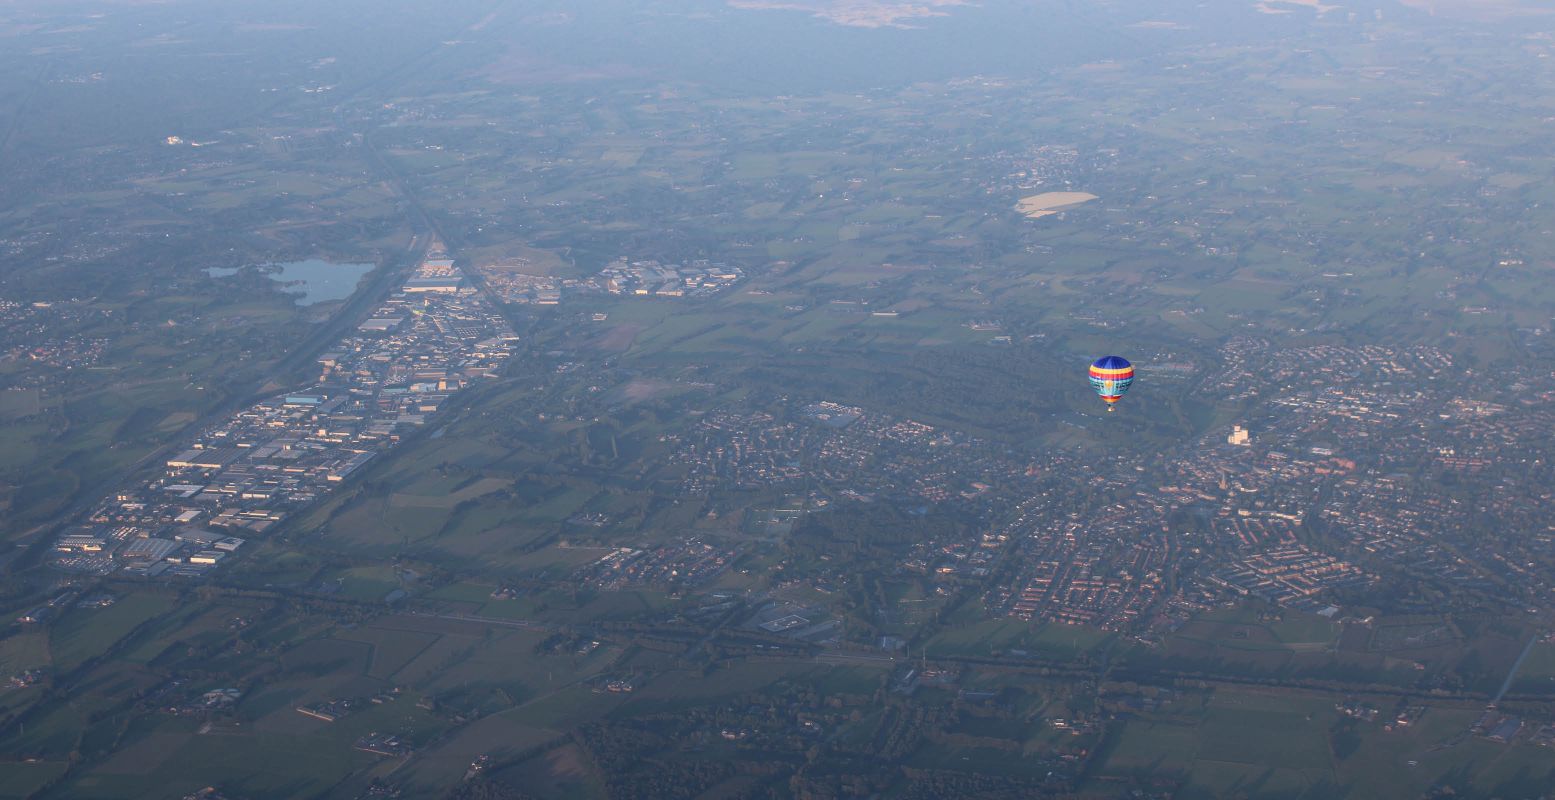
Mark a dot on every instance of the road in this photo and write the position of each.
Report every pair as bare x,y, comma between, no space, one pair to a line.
501,622
1516,665
844,658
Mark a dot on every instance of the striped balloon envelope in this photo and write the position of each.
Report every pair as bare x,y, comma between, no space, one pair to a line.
1110,377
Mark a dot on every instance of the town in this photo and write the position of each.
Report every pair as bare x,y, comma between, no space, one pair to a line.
432,339
1231,517
514,282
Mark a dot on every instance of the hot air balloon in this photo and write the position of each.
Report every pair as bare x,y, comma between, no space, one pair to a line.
1110,377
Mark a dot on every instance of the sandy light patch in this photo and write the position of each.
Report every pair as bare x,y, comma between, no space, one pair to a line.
1041,205
640,389
1282,6
859,13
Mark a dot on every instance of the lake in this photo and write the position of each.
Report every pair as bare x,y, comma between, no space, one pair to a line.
314,280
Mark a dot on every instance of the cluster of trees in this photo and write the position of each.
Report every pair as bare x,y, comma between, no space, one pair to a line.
634,763
487,789
868,530
926,784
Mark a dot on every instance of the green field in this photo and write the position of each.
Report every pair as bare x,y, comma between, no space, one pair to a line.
84,633
1050,641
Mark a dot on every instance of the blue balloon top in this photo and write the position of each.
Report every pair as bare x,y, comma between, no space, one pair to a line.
1112,362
